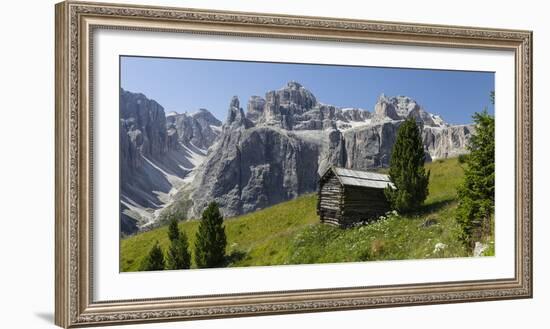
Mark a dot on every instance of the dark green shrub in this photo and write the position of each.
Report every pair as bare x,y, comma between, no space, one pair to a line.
477,193
154,260
178,253
407,172
211,240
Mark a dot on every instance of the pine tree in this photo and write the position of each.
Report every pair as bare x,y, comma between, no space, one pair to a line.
407,172
154,260
173,230
477,193
178,256
210,242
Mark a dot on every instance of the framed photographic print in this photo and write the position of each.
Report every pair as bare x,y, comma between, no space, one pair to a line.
217,164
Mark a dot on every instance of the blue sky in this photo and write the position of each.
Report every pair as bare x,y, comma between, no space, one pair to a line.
185,85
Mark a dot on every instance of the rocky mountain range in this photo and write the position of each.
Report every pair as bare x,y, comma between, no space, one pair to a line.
158,153
270,153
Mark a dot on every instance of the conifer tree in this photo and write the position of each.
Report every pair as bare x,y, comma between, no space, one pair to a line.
407,172
154,260
477,193
211,241
173,229
178,256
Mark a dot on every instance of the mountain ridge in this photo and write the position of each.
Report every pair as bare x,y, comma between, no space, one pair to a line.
157,155
276,149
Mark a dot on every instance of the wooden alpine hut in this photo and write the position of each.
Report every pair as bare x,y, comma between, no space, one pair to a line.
349,196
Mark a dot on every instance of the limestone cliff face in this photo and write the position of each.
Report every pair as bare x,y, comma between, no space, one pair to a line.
144,122
448,142
284,107
199,129
403,107
143,136
370,147
333,151
156,154
293,107
252,167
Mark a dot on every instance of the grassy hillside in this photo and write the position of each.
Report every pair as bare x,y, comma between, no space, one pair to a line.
290,232
259,238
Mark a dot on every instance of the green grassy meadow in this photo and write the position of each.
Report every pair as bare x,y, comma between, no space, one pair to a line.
290,232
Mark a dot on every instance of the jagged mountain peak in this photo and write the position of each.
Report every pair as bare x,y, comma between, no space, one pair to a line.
402,107
201,111
158,154
294,107
395,99
200,114
234,102
204,115
293,93
236,116
293,85
403,104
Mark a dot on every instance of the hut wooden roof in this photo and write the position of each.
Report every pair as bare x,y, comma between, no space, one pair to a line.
361,178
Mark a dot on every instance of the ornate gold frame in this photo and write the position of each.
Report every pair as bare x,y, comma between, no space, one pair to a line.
75,23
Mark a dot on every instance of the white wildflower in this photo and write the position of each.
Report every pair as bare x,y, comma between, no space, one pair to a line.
439,247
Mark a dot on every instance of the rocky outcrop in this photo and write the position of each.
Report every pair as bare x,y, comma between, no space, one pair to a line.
199,129
293,107
370,147
447,142
253,167
156,155
385,109
143,135
353,114
255,109
250,169
333,151
283,107
403,107
235,116
145,123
